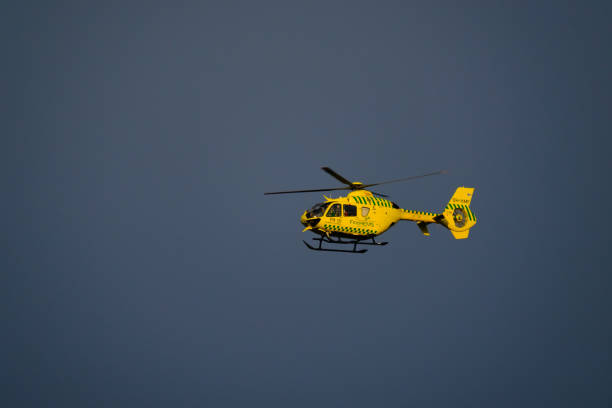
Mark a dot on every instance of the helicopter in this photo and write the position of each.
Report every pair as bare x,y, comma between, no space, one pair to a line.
362,215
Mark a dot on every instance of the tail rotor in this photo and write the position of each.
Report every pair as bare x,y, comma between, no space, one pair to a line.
458,217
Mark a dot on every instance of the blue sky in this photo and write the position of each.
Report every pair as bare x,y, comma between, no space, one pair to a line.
144,266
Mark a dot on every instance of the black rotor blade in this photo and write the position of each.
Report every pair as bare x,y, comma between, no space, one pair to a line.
379,194
308,191
336,176
435,173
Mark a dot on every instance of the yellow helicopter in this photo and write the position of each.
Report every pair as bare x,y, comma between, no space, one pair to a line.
363,215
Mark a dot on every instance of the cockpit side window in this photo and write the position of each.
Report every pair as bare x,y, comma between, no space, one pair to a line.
334,211
350,210
365,211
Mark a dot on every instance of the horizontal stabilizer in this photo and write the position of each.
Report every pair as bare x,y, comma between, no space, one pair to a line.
423,227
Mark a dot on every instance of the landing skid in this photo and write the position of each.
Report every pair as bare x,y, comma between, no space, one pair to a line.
339,241
354,251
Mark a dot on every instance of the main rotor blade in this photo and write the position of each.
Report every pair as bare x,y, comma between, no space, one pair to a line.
379,194
405,179
308,191
336,176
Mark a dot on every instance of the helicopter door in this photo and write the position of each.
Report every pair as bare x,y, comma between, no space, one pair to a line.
334,211
350,210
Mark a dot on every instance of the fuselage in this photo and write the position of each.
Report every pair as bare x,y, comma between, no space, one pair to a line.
359,215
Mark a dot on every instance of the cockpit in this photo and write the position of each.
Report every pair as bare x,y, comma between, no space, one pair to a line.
317,210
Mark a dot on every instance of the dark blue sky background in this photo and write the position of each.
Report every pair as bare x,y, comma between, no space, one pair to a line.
142,265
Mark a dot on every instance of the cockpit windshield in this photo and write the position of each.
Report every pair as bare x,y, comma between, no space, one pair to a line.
317,210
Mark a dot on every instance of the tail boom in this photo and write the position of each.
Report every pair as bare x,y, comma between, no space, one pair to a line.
457,217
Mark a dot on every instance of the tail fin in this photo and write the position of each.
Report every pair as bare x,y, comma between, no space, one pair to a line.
458,216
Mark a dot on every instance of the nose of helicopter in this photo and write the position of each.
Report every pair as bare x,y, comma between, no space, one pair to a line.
309,222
